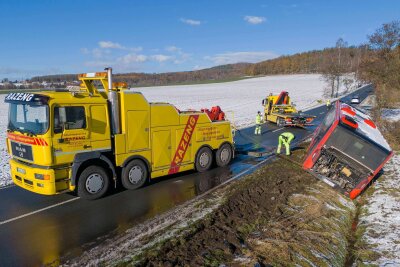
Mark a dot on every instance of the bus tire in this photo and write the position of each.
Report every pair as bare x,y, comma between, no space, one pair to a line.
204,159
224,154
93,183
134,174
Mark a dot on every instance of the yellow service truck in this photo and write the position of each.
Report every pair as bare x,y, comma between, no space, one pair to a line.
88,139
280,110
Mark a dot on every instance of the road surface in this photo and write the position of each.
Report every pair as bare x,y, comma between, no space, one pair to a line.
37,230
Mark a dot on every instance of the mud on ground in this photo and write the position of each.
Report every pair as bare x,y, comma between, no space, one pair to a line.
279,215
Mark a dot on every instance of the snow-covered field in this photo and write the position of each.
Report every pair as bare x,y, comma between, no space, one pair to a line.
240,100
381,217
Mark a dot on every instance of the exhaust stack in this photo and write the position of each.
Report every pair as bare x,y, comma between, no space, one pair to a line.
114,104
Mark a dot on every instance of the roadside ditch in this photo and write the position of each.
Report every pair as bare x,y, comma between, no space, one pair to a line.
277,216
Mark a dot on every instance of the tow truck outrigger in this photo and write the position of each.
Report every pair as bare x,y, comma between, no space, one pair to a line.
88,139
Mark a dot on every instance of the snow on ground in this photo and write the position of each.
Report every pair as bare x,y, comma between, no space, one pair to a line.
382,216
391,114
239,99
242,99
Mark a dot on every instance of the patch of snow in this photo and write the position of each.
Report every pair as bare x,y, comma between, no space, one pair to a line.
391,114
382,219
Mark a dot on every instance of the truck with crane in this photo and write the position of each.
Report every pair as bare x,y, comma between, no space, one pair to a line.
88,139
280,110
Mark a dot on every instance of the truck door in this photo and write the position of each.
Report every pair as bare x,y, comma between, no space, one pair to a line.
70,132
99,128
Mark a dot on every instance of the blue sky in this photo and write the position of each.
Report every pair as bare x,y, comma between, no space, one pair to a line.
59,36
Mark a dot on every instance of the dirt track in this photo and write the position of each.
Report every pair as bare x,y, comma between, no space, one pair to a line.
267,218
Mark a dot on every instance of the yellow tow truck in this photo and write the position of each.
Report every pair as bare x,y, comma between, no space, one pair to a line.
88,139
280,110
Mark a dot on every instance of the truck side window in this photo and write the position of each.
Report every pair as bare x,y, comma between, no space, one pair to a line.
70,118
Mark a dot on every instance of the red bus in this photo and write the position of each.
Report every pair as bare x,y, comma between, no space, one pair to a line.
347,150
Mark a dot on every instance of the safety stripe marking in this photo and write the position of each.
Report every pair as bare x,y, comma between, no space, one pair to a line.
27,139
277,130
183,144
37,211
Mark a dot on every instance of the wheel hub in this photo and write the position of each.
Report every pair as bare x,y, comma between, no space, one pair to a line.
135,174
204,159
94,183
224,155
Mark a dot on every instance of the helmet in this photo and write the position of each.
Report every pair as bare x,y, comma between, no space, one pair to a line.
259,112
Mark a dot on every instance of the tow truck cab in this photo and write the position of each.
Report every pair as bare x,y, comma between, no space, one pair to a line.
45,132
347,150
87,139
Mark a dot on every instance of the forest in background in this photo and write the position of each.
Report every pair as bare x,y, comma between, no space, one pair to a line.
317,61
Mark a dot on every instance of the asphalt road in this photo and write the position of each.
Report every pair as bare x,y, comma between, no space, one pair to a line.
38,230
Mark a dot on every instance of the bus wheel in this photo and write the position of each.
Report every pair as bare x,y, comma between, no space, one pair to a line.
224,155
93,183
134,174
204,159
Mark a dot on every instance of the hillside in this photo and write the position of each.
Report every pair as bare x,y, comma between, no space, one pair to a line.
316,61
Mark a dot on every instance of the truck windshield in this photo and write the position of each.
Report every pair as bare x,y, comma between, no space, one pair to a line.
31,119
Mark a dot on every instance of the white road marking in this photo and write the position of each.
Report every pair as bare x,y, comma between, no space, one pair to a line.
277,130
7,186
321,113
37,211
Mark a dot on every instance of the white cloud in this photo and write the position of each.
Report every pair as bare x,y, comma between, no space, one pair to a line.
109,44
85,51
191,22
131,58
254,19
173,49
160,58
198,67
236,57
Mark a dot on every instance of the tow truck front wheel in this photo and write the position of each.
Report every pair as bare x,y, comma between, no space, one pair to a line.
224,155
93,183
280,122
134,174
204,159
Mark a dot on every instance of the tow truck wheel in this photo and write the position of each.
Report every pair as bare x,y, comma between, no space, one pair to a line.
280,122
93,183
204,159
223,155
134,174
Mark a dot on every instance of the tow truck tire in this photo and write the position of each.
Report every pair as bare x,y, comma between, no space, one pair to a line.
224,155
280,122
93,183
134,174
204,159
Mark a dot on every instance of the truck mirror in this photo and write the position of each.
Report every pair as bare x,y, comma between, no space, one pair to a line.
263,102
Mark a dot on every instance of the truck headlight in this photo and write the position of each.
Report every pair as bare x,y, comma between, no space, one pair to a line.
41,176
20,170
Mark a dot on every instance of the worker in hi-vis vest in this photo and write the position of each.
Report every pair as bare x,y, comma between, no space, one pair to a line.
328,103
285,138
258,123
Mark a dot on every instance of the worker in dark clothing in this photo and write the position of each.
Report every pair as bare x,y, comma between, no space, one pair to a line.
285,139
258,123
